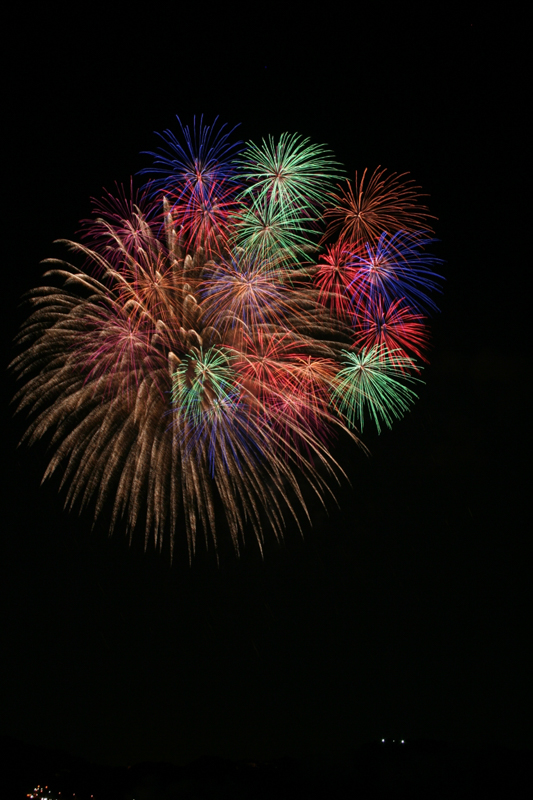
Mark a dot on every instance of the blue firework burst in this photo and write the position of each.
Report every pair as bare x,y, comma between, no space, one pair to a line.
398,266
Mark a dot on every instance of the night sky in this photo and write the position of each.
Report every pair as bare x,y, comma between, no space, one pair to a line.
406,610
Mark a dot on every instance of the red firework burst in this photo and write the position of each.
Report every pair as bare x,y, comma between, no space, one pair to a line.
333,277
395,329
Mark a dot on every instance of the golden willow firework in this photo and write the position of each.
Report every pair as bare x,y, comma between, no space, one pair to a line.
207,351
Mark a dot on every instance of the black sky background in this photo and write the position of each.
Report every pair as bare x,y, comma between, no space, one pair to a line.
405,611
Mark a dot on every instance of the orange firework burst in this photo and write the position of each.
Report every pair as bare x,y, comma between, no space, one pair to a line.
386,203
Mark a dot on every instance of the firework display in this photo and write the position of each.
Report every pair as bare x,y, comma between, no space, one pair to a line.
221,328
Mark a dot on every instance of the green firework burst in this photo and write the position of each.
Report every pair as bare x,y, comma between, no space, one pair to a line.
371,381
201,382
292,173
267,230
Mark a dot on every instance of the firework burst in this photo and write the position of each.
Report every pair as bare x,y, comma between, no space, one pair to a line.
373,380
203,356
394,328
398,266
293,173
334,277
388,203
